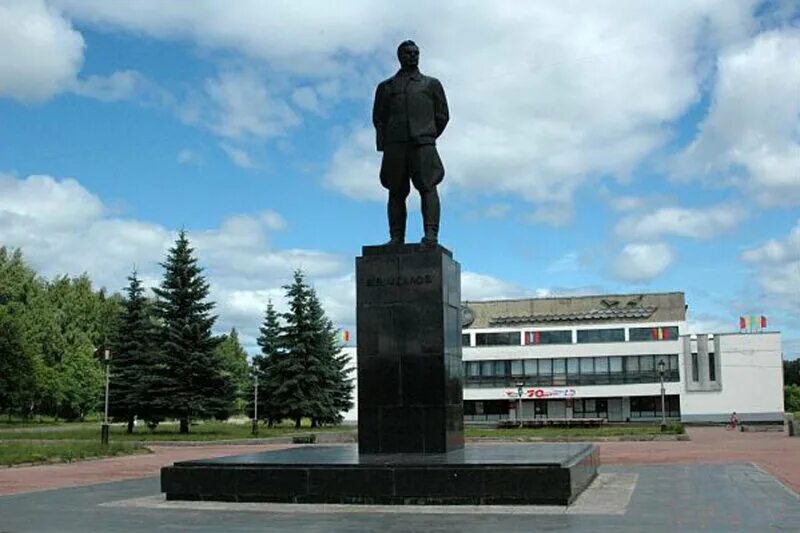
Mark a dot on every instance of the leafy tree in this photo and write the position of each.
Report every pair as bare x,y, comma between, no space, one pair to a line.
133,355
17,371
791,398
189,380
234,362
269,407
791,372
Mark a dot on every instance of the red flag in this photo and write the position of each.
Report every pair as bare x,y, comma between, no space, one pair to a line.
346,336
742,323
763,321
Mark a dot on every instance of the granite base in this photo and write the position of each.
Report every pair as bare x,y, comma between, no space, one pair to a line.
548,474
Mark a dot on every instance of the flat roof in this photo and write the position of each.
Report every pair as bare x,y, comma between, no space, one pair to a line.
572,310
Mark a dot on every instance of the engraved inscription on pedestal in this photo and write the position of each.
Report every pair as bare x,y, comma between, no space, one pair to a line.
409,350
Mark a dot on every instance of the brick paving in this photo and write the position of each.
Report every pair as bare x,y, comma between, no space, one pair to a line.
772,451
56,476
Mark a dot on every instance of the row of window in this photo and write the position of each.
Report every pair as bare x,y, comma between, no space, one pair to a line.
571,371
516,338
640,407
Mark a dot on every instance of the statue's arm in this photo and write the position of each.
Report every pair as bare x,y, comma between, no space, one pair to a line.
378,114
440,109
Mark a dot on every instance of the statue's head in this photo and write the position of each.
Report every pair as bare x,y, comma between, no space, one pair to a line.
408,54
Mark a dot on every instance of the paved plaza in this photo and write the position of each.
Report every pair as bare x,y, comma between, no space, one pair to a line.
719,481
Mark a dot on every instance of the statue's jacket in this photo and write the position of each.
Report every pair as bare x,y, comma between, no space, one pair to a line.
409,108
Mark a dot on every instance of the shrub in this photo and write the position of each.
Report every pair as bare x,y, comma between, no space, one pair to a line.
791,398
304,439
675,428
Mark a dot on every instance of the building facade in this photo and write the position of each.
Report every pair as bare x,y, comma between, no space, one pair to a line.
604,356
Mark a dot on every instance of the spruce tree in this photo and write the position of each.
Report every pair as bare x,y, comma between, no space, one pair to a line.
133,355
189,381
335,388
264,366
298,368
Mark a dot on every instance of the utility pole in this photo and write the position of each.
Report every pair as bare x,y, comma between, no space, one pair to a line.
104,429
255,403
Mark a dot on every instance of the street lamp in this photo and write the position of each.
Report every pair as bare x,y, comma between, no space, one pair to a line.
519,384
661,367
104,429
255,403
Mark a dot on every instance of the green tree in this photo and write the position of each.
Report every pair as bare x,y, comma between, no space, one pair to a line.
336,387
189,380
269,408
791,398
234,363
306,369
791,372
17,371
297,369
133,355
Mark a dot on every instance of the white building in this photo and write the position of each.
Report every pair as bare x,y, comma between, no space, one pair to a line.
598,356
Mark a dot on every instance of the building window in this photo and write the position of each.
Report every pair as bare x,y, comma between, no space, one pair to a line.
661,333
695,368
601,335
507,338
530,366
559,371
712,367
571,371
465,339
548,337
650,406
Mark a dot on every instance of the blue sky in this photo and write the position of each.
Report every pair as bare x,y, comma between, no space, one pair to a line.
594,147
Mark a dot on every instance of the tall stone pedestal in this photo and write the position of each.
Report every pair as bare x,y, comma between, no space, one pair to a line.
409,350
410,415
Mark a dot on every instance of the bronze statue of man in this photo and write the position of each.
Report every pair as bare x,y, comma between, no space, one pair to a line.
409,114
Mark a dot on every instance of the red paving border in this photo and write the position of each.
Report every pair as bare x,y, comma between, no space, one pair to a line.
774,452
57,476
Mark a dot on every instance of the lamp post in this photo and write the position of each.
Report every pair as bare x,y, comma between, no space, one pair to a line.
104,428
661,368
255,403
519,384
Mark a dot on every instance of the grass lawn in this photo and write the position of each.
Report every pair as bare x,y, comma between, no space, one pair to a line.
14,453
557,433
206,431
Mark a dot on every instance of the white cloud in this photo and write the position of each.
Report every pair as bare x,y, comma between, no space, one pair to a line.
641,262
63,228
189,157
355,165
497,210
699,223
239,157
777,265
306,98
239,104
476,286
555,95
41,52
121,85
751,137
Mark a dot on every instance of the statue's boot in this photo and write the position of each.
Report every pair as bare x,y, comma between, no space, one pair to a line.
429,201
396,209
